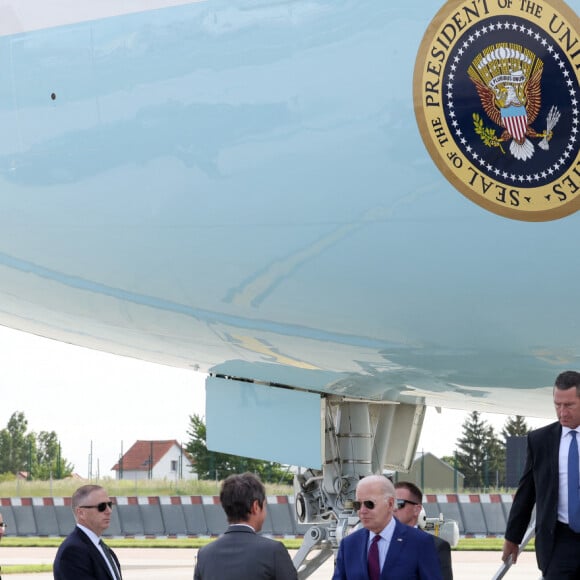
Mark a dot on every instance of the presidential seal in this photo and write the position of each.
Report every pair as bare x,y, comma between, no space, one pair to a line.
497,101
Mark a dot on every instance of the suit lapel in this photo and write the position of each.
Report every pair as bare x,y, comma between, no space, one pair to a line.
552,449
395,547
557,435
95,551
363,551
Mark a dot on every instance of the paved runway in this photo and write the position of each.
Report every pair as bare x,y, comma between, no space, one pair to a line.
177,564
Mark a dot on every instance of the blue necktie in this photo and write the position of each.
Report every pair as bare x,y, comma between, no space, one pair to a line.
374,564
573,499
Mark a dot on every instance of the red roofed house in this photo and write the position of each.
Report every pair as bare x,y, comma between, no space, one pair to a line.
155,460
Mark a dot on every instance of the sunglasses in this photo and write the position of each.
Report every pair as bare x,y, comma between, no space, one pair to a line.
368,503
400,503
100,506
3,525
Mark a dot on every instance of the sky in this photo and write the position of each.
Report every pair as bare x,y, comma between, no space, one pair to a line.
99,404
94,400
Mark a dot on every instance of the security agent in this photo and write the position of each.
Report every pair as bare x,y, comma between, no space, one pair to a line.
83,554
550,483
408,506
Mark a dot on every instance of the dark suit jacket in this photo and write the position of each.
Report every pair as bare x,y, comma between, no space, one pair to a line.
444,552
79,559
411,556
538,486
240,554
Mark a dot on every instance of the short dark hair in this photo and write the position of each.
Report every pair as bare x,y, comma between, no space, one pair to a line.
568,380
238,494
414,490
81,494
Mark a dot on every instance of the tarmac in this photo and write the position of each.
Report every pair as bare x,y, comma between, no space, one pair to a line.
178,563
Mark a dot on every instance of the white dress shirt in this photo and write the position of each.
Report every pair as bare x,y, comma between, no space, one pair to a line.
563,472
95,540
383,545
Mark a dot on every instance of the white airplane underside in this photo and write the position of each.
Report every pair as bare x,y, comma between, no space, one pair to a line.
240,187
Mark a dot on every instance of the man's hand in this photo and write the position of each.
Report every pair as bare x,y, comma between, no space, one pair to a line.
510,549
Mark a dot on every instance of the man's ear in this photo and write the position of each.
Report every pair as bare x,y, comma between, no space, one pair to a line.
256,507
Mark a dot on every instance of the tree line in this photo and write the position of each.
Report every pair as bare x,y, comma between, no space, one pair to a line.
481,452
480,455
36,454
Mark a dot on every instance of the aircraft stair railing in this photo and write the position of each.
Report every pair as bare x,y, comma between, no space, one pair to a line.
504,568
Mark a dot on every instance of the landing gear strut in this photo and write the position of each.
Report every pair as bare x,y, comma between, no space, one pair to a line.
360,438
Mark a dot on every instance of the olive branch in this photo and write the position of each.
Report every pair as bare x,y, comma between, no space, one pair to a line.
486,134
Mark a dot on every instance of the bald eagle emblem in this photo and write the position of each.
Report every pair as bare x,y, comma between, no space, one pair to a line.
508,81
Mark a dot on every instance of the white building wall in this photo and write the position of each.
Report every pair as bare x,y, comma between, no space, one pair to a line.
163,468
133,475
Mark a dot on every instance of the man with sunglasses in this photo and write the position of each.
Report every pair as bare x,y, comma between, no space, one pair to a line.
83,554
384,547
408,506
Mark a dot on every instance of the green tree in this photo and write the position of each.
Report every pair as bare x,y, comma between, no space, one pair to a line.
31,455
494,466
39,455
50,463
214,465
479,454
5,451
13,444
515,427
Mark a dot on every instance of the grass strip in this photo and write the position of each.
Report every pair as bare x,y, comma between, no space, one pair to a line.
465,544
26,569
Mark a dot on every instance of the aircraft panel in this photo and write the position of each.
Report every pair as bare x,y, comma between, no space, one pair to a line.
254,420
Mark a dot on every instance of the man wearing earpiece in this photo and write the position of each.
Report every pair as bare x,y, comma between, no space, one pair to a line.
408,506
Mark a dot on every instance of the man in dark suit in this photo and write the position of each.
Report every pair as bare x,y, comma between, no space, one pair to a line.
544,483
82,555
408,506
384,547
240,553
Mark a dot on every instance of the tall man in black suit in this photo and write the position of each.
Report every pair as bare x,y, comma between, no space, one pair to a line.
240,553
408,506
83,555
544,483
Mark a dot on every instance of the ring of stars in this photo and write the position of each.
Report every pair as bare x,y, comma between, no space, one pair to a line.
530,178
